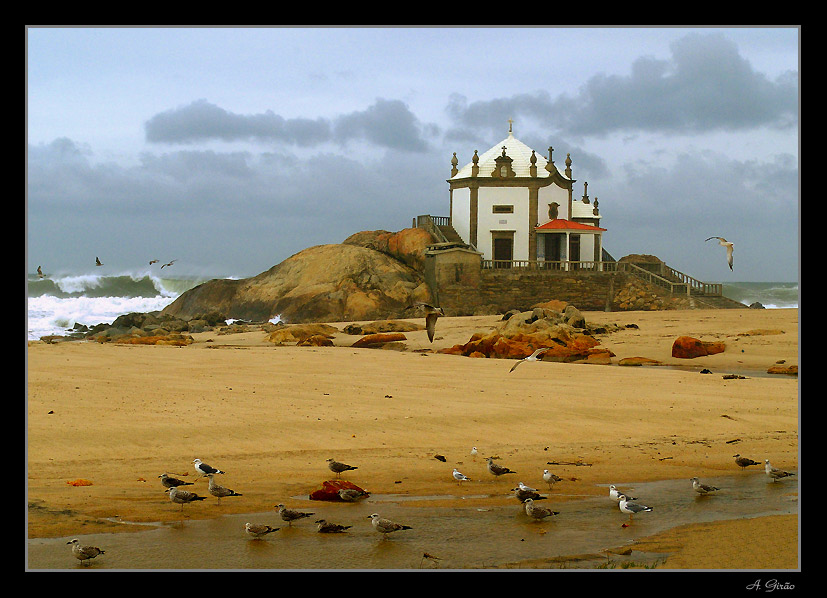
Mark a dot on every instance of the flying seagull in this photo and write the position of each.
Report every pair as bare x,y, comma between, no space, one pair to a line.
257,530
460,477
337,467
153,262
630,507
289,515
533,357
39,272
203,468
183,497
385,526
168,264
98,262
171,482
497,470
549,478
743,462
220,491
729,247
431,315
702,489
537,512
774,473
616,494
84,553
325,527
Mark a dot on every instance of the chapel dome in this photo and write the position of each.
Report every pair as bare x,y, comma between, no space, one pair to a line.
520,154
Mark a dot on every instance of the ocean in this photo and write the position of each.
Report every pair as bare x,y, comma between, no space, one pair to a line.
55,304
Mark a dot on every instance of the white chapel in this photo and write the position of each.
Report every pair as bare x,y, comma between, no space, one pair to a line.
516,208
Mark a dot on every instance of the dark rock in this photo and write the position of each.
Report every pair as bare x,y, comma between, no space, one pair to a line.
756,305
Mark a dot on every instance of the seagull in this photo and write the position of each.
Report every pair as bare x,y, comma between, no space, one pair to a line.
537,512
170,482
774,473
460,477
743,462
84,553
702,488
533,357
352,494
326,527
183,497
549,478
729,247
203,468
631,507
337,467
289,515
220,491
615,493
431,315
524,495
525,488
153,262
98,262
497,470
39,272
385,526
168,264
257,530
474,453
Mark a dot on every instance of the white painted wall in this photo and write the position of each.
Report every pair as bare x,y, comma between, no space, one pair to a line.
548,194
517,221
461,212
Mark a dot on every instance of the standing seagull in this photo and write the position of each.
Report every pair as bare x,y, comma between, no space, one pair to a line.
337,467
550,479
183,497
203,468
84,553
537,512
743,462
460,477
325,527
98,262
385,526
533,357
497,470
171,482
702,489
289,515
774,473
474,453
220,491
616,494
524,495
431,315
631,507
729,247
525,488
257,530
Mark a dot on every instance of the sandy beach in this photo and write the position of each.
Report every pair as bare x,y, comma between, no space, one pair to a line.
119,415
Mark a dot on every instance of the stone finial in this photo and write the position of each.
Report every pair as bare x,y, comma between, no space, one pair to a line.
475,169
550,150
586,192
595,211
568,165
532,170
454,163
510,122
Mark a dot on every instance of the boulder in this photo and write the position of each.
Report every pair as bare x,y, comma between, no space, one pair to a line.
636,361
330,490
380,338
317,340
790,370
408,245
382,326
298,333
687,347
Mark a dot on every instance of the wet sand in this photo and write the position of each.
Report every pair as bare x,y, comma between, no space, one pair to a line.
120,415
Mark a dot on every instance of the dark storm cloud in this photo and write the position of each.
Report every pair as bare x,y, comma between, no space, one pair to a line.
388,123
706,85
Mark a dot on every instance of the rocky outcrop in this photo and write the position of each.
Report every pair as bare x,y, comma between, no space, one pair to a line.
324,283
408,245
687,347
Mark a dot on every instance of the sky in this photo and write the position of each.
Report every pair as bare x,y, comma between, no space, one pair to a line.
231,149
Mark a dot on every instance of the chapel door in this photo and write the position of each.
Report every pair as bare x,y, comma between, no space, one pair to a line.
503,250
574,251
553,246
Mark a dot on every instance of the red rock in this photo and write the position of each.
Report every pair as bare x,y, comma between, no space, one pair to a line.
790,370
317,340
330,490
687,347
379,338
639,361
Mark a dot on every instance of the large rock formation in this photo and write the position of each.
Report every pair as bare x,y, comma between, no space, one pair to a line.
324,283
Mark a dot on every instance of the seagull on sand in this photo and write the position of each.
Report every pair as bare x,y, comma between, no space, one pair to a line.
533,357
630,507
171,482
352,494
549,478
385,526
537,512
525,488
39,272
257,530
289,515
729,247
497,470
183,497
702,489
431,315
474,453
220,491
98,262
524,495
743,462
616,494
774,473
337,467
325,527
168,264
203,468
460,477
84,553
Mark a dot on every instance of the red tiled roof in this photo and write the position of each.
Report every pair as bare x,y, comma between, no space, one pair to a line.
563,224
